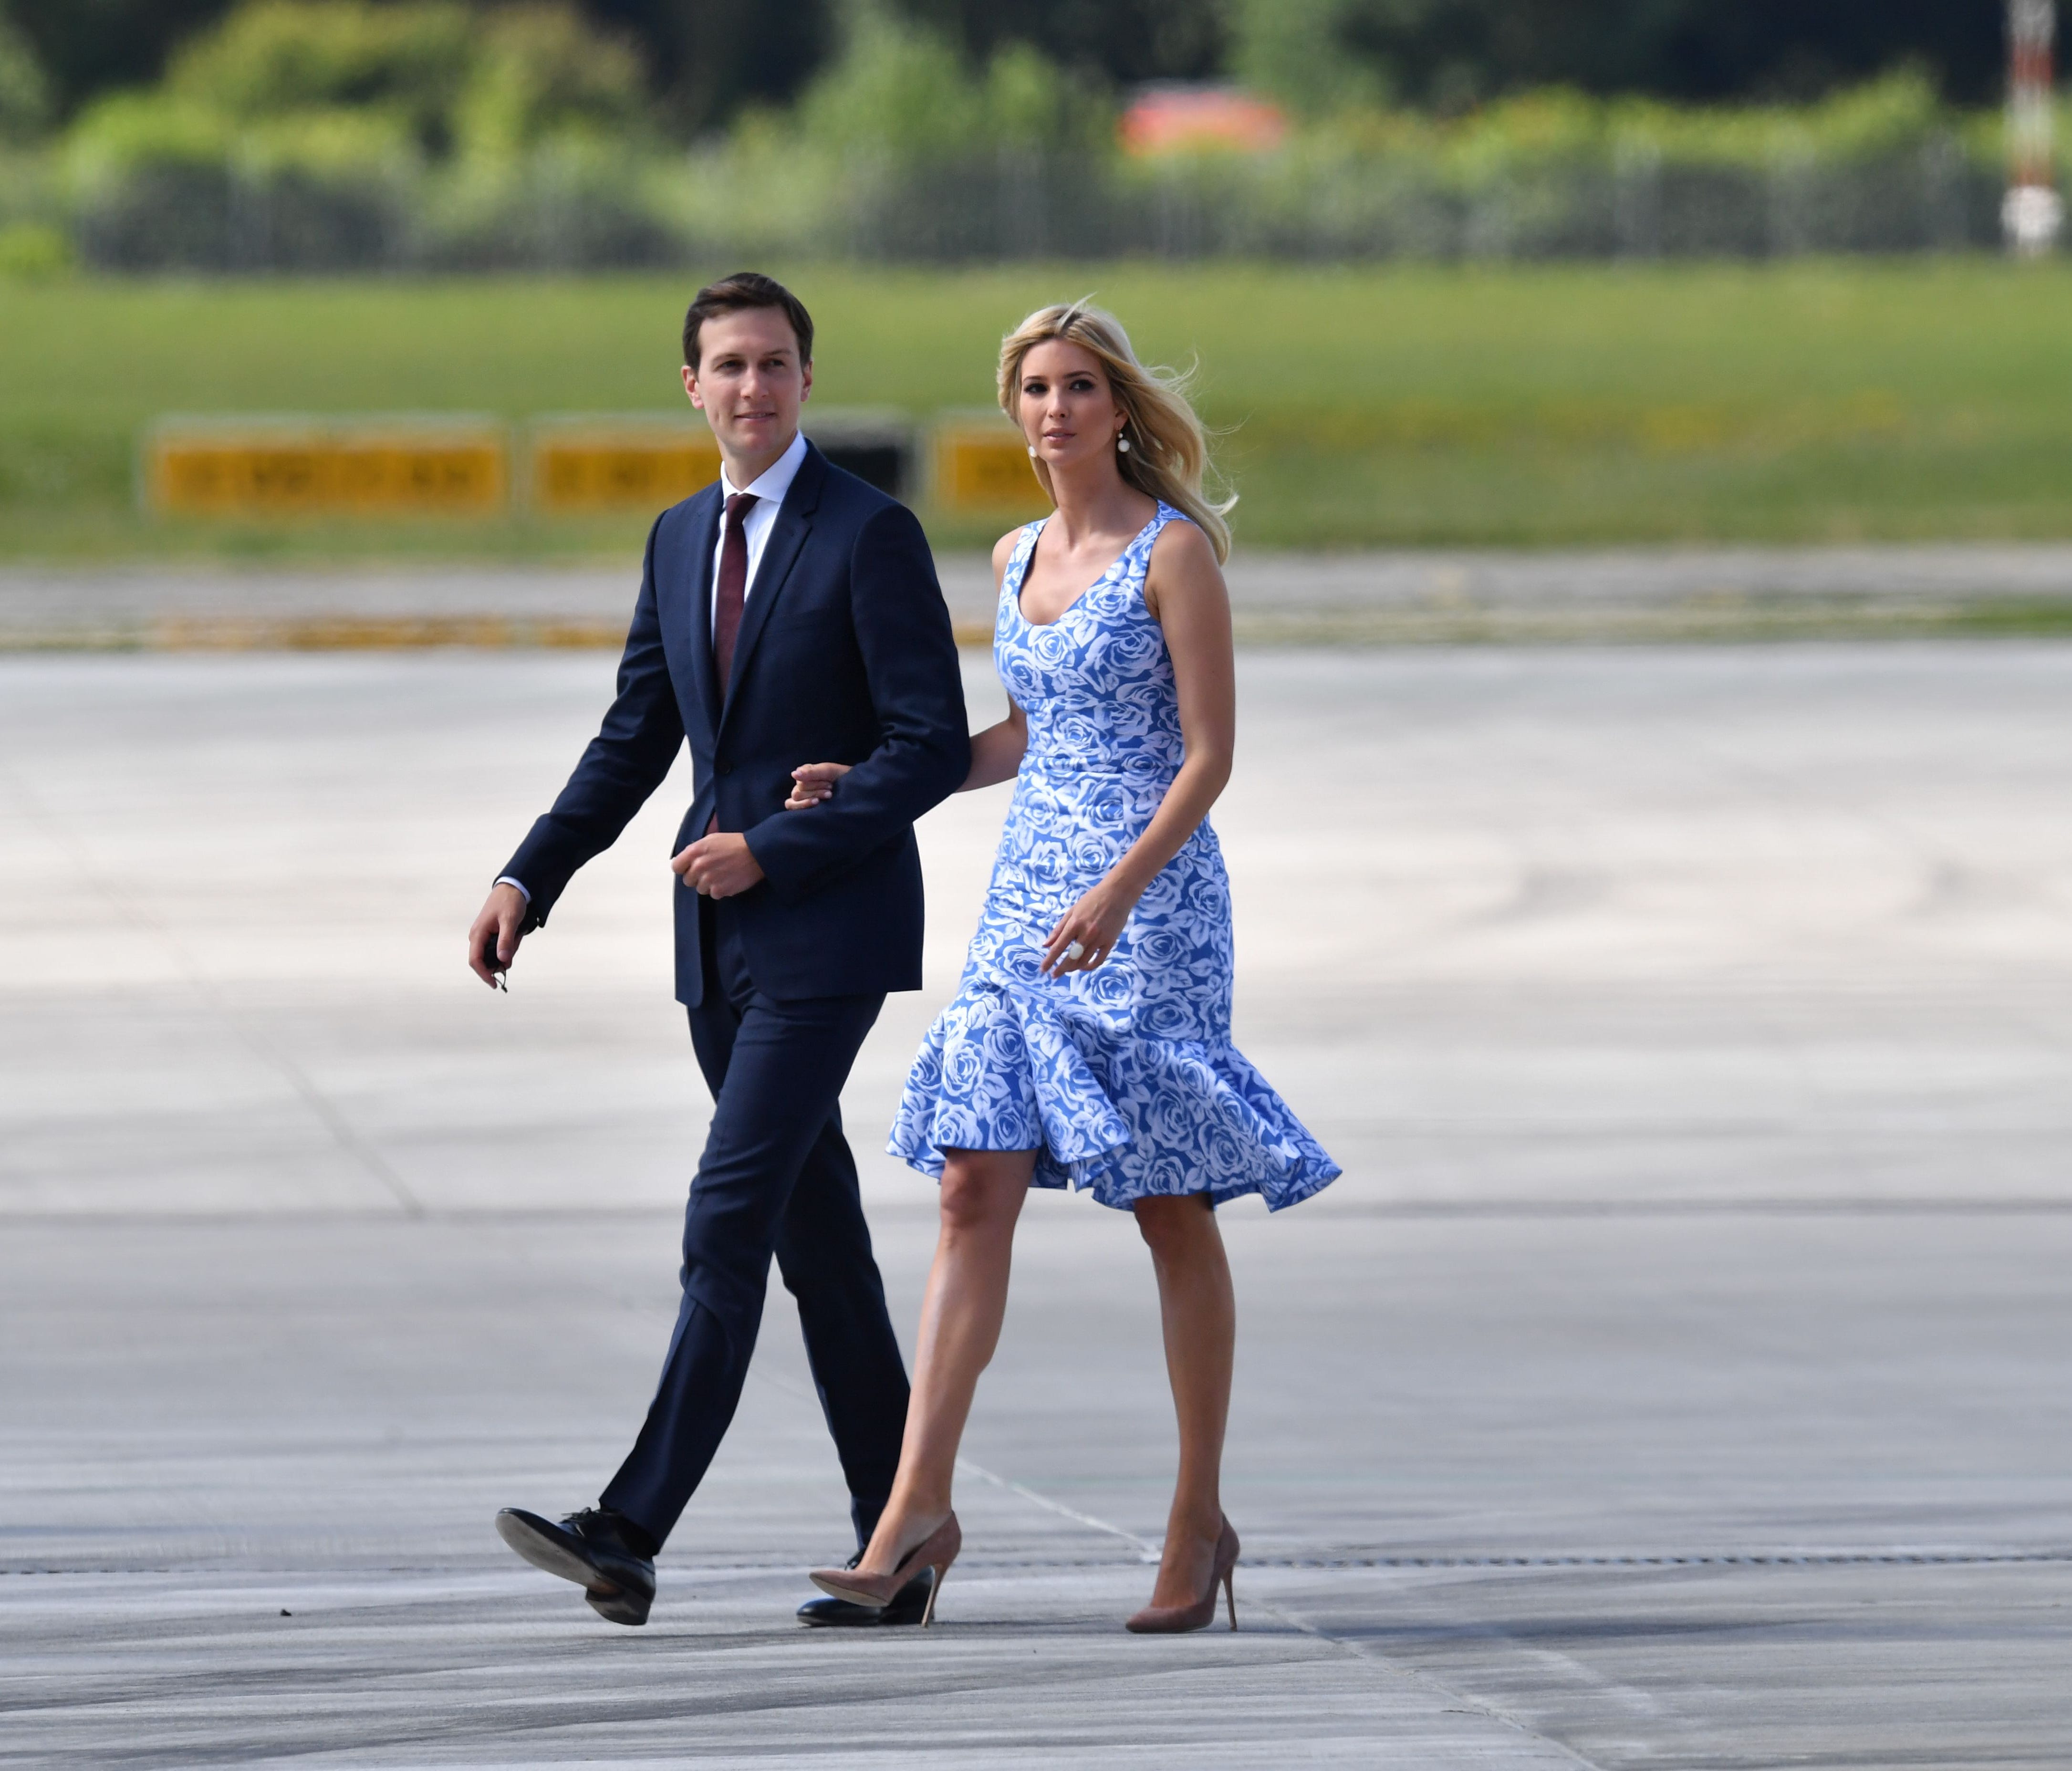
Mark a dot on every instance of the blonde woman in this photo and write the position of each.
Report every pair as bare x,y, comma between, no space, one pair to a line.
1089,1041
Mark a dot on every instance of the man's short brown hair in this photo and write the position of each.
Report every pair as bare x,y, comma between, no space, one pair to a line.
746,288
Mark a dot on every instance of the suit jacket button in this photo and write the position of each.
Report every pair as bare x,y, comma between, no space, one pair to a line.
724,768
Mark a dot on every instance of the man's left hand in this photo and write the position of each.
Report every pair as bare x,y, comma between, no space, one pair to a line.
720,865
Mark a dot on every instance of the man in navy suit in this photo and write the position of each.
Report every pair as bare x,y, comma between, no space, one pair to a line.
789,614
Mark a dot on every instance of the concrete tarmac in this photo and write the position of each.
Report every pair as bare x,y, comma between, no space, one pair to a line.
1420,595
1676,1376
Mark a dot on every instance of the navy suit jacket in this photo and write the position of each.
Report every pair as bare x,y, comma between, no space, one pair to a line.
845,654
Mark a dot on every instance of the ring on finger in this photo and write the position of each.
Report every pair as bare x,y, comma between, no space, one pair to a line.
1075,951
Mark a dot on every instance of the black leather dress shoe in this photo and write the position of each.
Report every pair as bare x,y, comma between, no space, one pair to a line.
590,1548
907,1607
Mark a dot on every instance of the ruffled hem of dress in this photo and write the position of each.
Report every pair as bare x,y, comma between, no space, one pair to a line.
1192,1117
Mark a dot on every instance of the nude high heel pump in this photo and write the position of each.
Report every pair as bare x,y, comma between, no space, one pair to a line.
1173,1620
938,1550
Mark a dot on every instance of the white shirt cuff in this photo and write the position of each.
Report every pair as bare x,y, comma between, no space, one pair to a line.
505,879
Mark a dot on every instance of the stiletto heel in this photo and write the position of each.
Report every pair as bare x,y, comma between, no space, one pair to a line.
1172,1620
937,1551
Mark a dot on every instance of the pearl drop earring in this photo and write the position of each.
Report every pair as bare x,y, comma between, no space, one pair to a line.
1121,444
1032,451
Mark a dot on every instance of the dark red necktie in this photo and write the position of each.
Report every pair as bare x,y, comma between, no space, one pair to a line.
732,590
729,595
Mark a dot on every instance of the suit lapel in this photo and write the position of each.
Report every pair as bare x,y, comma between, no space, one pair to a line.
787,534
704,537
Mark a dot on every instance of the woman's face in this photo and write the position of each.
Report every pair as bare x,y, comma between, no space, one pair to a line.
1066,407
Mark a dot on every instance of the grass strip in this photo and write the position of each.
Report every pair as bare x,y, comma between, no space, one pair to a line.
1523,406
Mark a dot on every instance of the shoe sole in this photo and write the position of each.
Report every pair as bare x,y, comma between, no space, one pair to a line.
614,1604
864,1601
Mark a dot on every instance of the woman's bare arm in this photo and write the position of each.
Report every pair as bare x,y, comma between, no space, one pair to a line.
1186,593
996,753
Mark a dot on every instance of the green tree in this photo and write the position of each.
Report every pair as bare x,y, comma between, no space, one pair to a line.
1445,54
709,60
901,91
272,58
1120,41
541,70
448,73
1303,52
905,92
88,47
25,93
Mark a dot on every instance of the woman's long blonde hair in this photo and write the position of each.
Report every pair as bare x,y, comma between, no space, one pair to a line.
1168,450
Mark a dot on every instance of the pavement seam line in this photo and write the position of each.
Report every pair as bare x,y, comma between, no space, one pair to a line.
1146,1550
1002,1564
1457,1702
1720,1558
268,1052
1357,1650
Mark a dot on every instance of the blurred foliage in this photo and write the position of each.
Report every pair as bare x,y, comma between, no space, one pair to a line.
707,61
902,94
271,57
340,135
25,91
1122,42
1446,55
328,135
90,47
541,72
1300,52
352,91
453,78
127,130
1882,117
34,252
899,148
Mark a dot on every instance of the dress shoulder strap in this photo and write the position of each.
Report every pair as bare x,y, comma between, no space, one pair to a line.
1137,561
1018,561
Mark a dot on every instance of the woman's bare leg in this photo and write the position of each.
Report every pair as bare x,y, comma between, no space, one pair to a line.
960,1317
1198,1312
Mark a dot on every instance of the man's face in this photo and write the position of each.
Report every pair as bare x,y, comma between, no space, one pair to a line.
749,381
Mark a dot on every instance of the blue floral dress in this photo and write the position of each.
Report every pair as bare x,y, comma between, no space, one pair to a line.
1123,1077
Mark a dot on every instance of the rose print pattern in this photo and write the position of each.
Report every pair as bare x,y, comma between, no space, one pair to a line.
1122,1078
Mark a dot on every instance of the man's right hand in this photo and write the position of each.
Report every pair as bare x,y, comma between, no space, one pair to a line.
493,943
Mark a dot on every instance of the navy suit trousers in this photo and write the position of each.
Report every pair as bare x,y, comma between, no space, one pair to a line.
776,1178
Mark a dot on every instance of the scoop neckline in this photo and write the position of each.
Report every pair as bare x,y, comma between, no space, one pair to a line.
1108,573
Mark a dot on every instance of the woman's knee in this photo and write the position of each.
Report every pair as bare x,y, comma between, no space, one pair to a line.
1173,1223
982,1190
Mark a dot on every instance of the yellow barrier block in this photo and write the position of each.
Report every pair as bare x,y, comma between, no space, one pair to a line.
985,467
373,468
581,466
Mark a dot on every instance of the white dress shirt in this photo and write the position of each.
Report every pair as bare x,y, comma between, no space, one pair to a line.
769,487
